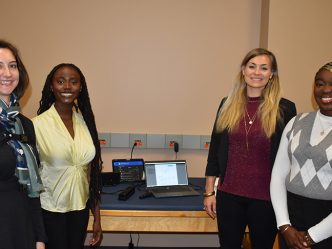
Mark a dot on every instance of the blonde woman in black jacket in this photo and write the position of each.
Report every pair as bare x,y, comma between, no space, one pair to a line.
244,143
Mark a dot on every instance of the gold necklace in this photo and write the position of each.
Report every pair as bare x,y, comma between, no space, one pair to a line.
250,123
247,131
251,120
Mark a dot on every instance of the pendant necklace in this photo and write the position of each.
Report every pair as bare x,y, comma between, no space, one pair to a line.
251,119
250,123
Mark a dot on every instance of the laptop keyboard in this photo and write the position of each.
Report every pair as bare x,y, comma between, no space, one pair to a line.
171,189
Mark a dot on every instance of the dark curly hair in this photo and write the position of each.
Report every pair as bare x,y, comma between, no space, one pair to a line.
84,107
23,74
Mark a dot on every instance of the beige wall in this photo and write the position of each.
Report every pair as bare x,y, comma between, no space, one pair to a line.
166,63
151,66
163,66
300,35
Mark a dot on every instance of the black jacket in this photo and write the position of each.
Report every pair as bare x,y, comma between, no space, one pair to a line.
8,160
218,152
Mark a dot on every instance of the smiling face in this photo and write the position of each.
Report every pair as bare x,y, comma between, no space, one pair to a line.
257,73
9,74
66,85
323,91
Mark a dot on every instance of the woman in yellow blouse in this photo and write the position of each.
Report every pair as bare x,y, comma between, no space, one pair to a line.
70,157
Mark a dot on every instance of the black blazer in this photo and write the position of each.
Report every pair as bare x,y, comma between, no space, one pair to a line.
34,208
218,152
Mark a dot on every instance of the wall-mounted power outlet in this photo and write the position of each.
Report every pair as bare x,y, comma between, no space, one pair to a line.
171,139
139,139
205,142
104,139
154,141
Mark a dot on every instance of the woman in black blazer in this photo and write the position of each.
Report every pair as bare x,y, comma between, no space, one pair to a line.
21,223
244,143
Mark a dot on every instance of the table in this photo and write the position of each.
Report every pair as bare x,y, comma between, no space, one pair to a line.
151,215
167,215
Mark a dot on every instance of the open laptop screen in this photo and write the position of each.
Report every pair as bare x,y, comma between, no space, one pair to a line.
130,170
166,173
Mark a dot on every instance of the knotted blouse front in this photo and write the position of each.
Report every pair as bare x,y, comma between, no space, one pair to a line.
64,161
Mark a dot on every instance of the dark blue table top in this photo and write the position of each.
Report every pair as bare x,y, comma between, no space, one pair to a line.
109,199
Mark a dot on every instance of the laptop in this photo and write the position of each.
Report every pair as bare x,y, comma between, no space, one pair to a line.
168,178
130,170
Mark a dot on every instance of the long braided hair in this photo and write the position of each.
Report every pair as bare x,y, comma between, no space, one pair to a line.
84,107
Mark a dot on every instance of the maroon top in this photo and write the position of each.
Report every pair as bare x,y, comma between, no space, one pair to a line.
248,171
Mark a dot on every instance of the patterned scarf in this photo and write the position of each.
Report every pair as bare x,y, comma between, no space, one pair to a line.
13,134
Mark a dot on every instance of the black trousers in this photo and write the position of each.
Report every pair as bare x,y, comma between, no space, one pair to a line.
66,230
305,213
234,213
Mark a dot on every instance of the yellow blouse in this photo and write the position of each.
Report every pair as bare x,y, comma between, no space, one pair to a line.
64,161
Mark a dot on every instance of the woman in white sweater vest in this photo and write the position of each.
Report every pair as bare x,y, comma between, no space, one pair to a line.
301,189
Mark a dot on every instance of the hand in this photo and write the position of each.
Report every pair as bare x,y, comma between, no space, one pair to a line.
210,206
294,238
97,234
40,245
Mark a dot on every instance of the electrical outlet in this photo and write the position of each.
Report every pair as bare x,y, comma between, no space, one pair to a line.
205,142
104,139
171,139
139,139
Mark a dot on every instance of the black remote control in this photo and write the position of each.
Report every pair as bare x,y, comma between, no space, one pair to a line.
125,194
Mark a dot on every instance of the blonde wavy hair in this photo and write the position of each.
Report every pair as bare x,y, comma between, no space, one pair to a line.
269,112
